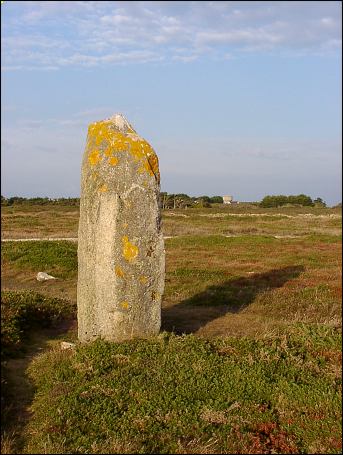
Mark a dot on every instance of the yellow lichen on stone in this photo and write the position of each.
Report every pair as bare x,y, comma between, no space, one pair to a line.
119,272
140,150
94,175
130,251
113,161
103,188
94,157
99,132
143,279
136,149
117,141
153,163
125,304
154,295
108,151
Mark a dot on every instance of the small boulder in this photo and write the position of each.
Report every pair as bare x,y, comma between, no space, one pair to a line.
42,276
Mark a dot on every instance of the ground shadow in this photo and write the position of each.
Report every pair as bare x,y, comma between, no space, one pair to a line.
17,390
230,296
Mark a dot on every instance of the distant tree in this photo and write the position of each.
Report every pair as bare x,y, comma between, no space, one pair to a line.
319,202
204,198
203,202
280,200
216,200
269,201
302,199
16,200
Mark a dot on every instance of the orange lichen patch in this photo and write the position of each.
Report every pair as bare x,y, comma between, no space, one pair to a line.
120,142
125,304
103,188
143,279
116,141
154,295
130,251
119,272
113,161
108,151
136,149
94,157
99,132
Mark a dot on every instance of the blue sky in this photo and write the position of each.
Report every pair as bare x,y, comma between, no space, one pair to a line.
240,98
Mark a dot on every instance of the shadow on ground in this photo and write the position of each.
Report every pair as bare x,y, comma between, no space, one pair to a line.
17,390
230,296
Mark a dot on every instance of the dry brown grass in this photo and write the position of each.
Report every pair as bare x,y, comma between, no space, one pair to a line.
62,221
217,286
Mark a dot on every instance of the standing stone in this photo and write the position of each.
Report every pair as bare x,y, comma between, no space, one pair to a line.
121,258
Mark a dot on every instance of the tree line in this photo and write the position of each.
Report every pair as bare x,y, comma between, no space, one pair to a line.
40,201
176,201
167,201
300,199
181,200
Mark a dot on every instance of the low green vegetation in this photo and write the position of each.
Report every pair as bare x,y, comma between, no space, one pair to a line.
56,258
25,311
300,199
181,394
249,355
23,314
181,200
16,200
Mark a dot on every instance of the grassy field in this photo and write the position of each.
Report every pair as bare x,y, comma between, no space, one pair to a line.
62,221
248,359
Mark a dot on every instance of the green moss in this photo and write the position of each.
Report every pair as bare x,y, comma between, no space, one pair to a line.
56,258
164,394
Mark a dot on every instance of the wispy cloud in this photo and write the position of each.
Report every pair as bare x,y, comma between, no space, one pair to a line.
50,35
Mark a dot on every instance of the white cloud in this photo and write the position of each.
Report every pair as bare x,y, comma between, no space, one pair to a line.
106,33
328,22
185,58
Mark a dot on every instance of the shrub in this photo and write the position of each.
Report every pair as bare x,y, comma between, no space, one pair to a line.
280,200
21,312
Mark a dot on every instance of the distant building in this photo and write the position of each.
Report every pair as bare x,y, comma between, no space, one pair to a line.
227,199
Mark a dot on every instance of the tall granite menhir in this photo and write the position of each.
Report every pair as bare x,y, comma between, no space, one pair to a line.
121,251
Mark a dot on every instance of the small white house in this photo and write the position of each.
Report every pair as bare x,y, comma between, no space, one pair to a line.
227,199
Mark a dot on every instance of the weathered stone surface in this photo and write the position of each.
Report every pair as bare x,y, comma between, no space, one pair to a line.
121,259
